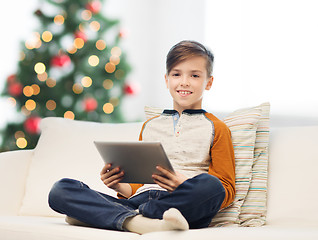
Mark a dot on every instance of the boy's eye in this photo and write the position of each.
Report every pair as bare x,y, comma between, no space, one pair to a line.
195,75
176,74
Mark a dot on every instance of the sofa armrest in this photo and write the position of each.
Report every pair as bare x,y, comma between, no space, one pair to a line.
14,167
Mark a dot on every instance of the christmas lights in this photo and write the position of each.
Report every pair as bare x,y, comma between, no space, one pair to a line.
67,69
59,19
69,115
50,105
110,67
39,68
47,36
100,45
86,81
108,108
93,60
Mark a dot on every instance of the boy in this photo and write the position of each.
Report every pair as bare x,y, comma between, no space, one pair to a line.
196,142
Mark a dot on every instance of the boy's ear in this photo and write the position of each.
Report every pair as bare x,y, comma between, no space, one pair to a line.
166,78
209,83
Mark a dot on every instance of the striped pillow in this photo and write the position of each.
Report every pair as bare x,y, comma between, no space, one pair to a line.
253,210
243,124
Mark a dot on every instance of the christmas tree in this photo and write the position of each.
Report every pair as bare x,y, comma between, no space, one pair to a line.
73,67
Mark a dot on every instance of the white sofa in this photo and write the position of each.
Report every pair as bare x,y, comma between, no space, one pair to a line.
25,177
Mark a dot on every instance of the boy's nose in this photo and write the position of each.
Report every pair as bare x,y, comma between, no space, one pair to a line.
184,81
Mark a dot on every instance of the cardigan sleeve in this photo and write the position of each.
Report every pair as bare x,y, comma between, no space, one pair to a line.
222,159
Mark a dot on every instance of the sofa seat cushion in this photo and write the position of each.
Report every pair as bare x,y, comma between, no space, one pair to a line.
239,233
40,228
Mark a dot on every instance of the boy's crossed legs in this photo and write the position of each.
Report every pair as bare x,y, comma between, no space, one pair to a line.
197,200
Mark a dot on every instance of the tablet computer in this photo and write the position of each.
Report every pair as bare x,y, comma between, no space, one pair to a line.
138,160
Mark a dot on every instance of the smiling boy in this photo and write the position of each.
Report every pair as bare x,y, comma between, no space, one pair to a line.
198,145
187,82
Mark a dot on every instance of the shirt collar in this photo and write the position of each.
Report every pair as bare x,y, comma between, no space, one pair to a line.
188,111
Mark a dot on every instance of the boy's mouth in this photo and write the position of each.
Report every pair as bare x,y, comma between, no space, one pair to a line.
184,93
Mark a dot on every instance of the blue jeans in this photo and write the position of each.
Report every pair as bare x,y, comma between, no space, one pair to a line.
198,199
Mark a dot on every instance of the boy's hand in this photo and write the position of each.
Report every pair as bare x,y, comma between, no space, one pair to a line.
111,177
168,180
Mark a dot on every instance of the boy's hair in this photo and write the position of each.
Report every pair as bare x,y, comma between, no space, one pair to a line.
187,49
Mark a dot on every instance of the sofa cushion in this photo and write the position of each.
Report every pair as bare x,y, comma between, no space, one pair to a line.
14,166
243,125
293,178
66,149
253,210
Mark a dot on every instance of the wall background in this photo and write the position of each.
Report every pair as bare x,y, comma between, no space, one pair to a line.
264,50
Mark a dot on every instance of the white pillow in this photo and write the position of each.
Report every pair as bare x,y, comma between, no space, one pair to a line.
66,149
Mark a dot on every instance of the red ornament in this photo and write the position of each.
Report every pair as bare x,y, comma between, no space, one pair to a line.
32,125
131,88
80,34
15,89
12,78
122,33
94,6
90,104
60,61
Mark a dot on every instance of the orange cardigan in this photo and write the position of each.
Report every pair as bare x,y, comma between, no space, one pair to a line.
222,163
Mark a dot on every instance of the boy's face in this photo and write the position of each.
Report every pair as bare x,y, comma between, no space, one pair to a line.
187,82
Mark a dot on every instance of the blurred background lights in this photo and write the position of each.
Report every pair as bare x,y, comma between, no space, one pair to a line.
100,45
81,27
95,26
21,143
47,36
93,60
72,50
110,67
34,41
30,105
69,115
72,67
28,91
119,74
12,101
39,68
50,82
108,108
19,134
77,88
42,76
78,43
86,15
108,84
36,89
86,81
115,60
51,105
116,51
58,19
